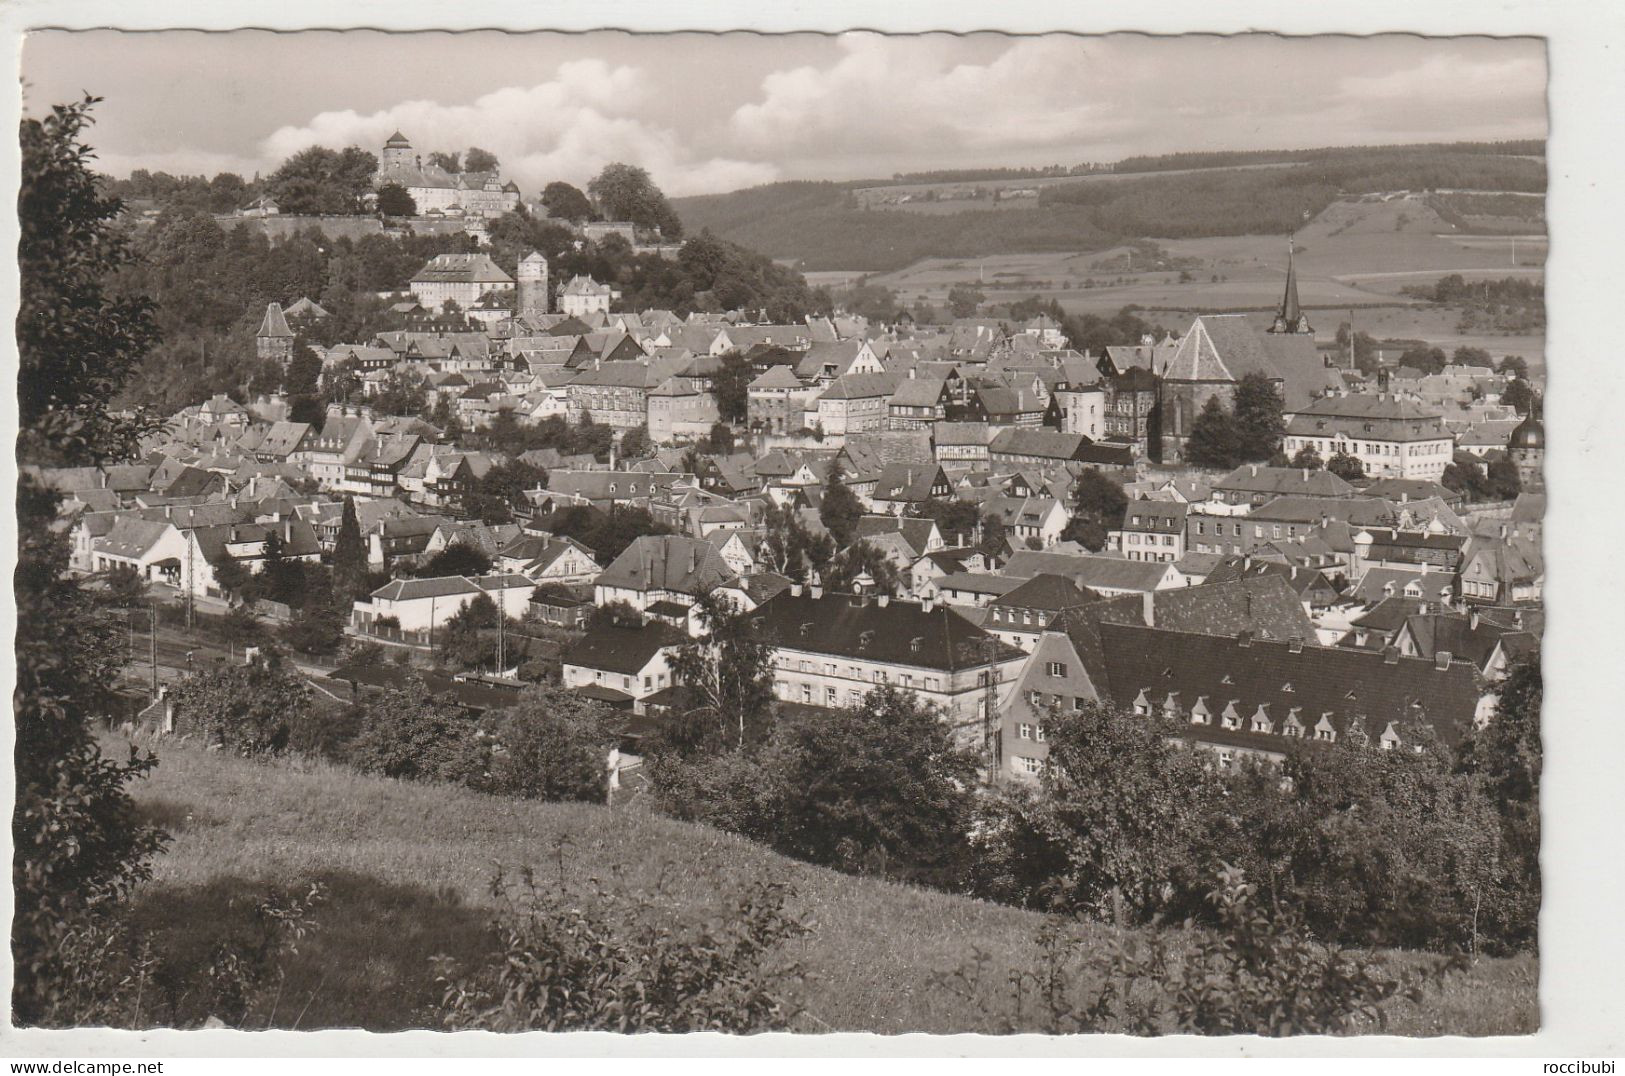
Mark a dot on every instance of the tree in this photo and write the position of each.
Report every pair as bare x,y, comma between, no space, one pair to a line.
994,535
409,733
729,670
349,556
395,200
1519,395
458,558
625,192
1097,507
841,572
720,441
963,302
1256,412
1506,756
1345,466
636,445
1502,480
788,547
552,746
1214,440
565,202
122,587
480,160
79,846
731,386
318,625
879,787
447,161
1472,356
1308,459
839,510
1514,366
323,181
1115,821
955,519
248,710
240,628
78,339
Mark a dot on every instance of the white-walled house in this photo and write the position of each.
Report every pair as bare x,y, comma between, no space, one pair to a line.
423,606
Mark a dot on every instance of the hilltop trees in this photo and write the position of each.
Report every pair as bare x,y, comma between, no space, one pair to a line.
1346,467
322,181
625,192
395,200
565,202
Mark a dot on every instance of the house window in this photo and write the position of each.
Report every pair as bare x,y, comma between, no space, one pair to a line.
829,696
806,693
648,682
1025,731
1038,730
1028,765
1056,668
626,682
1037,697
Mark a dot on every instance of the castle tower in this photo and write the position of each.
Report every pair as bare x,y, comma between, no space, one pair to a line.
1290,318
397,153
275,339
532,281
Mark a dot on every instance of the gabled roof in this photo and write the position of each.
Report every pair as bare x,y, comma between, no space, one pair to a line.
897,633
1112,573
1048,592
622,649
1257,478
461,269
667,562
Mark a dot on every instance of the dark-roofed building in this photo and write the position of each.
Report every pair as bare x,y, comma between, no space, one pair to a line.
1021,615
902,486
459,278
422,606
657,568
1255,484
1488,643
622,662
832,649
1312,588
1108,576
1151,530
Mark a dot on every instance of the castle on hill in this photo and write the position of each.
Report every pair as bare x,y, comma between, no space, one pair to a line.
435,190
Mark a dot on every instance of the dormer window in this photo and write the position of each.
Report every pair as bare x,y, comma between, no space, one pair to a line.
1231,718
1142,705
1261,720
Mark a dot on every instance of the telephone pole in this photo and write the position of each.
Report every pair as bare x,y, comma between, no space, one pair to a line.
153,649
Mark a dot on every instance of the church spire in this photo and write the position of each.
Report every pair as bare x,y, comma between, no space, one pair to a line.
1290,318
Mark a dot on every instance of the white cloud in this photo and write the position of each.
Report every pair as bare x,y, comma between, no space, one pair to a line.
568,128
915,95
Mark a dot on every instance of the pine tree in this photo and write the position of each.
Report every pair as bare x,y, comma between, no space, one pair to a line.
349,557
840,509
1213,441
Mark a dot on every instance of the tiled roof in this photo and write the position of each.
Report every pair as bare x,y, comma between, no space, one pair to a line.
624,650
899,632
667,562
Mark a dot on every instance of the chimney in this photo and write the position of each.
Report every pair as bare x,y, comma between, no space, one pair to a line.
928,604
795,590
1390,655
1295,644
1254,470
882,600
1148,608
1517,618
1441,661
1472,620
815,591
1244,639
1306,474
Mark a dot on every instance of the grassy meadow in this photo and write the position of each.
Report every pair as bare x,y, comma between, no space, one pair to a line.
407,869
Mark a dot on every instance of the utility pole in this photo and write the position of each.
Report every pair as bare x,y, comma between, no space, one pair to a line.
502,626
153,643
990,704
188,582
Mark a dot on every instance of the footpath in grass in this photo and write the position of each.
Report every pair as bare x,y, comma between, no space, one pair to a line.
407,868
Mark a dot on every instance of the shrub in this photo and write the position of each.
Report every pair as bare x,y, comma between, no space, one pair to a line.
410,733
552,746
249,710
625,962
1258,973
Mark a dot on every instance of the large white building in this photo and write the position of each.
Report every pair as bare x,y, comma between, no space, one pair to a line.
459,278
435,190
1391,437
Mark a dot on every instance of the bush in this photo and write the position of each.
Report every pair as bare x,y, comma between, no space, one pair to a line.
1259,973
249,710
409,733
552,746
624,962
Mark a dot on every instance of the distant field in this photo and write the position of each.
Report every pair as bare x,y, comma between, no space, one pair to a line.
407,868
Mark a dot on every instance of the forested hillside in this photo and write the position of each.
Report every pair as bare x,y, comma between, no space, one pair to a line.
825,227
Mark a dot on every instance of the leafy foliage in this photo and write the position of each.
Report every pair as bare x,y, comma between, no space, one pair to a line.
839,510
627,962
1256,410
320,180
1214,440
1097,507
552,746
249,710
729,671
625,192
1346,467
409,733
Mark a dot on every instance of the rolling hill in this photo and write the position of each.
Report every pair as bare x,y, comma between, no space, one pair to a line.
407,868
863,226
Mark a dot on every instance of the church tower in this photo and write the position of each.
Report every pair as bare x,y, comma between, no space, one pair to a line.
1290,318
397,154
532,281
274,341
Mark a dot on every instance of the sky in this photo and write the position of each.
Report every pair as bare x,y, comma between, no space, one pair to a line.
707,113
